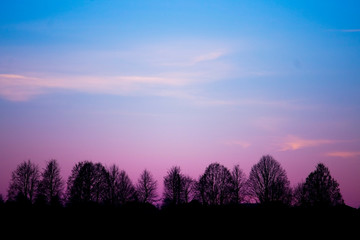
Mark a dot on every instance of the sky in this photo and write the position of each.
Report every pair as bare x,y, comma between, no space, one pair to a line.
155,84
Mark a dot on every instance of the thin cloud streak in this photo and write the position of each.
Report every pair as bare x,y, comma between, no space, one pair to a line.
208,57
16,87
345,154
292,143
197,99
189,61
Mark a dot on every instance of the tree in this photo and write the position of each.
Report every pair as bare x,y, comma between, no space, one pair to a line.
87,183
125,189
268,182
239,187
188,188
24,182
216,185
100,185
320,189
299,194
173,186
51,185
146,188
113,183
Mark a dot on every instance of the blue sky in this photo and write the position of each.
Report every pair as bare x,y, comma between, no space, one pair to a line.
157,83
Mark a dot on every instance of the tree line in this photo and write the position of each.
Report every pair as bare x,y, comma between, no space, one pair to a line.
93,183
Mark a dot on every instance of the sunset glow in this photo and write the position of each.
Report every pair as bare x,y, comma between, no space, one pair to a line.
155,84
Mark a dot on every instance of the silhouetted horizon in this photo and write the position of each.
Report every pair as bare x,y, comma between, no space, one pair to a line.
92,183
164,102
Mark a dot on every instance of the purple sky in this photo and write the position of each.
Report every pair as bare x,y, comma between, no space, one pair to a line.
150,84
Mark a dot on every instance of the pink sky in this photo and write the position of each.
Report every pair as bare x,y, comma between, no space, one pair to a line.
153,84
191,152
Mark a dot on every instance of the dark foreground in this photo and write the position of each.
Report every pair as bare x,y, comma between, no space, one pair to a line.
187,221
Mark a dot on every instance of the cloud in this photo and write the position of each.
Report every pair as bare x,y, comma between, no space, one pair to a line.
208,57
189,60
198,99
294,143
12,76
343,154
22,87
16,87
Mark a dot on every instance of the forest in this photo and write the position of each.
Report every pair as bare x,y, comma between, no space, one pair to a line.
96,194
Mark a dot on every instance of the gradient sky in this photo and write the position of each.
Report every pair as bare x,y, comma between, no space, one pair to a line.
153,84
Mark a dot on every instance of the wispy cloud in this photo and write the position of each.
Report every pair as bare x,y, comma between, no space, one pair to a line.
345,154
191,60
197,98
24,86
13,76
208,57
16,87
294,143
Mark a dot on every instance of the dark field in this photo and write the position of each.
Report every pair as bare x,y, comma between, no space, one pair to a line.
185,221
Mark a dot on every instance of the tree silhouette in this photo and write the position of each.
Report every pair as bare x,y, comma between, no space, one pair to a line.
239,187
93,183
173,186
100,185
299,194
320,189
24,182
146,188
113,183
87,183
188,188
51,185
216,185
125,190
268,182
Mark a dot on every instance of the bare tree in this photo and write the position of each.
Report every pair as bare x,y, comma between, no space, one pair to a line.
51,185
100,184
146,188
125,190
173,186
216,185
24,182
268,181
118,188
239,181
320,189
299,194
74,191
189,188
113,183
87,183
